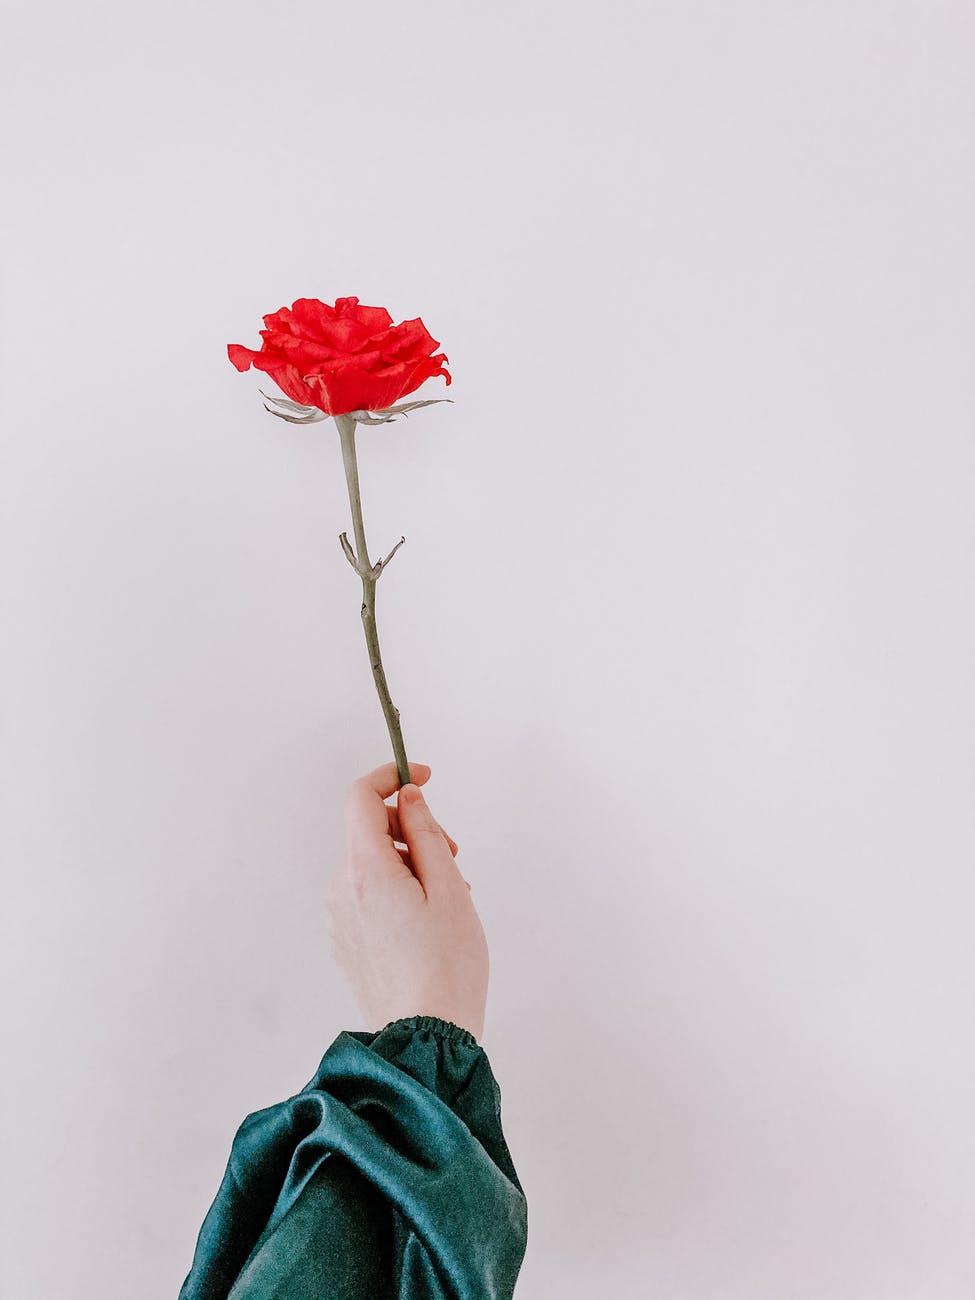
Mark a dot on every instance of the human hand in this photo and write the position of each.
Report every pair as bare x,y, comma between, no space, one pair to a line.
401,922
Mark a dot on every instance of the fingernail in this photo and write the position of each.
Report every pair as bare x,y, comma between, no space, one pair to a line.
411,793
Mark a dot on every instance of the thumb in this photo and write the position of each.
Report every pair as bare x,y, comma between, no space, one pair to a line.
430,853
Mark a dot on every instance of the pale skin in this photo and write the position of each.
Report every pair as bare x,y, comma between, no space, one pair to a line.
401,921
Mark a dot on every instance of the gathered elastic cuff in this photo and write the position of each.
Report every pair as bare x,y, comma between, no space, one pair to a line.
446,1029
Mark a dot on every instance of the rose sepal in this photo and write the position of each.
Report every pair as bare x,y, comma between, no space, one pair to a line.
298,414
295,413
391,412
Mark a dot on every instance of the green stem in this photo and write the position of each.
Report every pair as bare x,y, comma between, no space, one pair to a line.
369,573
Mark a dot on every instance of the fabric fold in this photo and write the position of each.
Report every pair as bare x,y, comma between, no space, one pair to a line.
387,1175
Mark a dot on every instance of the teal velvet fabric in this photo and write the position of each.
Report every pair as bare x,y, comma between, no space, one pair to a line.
387,1177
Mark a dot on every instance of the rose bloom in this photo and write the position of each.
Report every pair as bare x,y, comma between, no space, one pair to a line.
343,358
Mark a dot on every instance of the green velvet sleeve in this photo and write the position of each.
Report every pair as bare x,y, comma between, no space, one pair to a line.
387,1177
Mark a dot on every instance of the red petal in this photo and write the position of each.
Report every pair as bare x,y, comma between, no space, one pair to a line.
309,317
287,376
279,322
374,319
353,389
242,357
304,352
344,385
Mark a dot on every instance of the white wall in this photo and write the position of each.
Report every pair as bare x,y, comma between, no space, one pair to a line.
684,624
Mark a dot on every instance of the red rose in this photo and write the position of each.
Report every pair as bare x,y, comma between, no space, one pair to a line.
343,358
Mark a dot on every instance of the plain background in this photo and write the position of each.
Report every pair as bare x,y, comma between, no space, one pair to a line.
684,624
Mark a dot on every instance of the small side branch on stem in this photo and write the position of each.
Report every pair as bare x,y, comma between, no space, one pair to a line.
349,552
382,563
